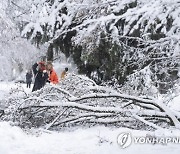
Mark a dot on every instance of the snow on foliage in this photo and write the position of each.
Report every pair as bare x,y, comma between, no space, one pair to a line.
91,17
78,101
17,54
140,34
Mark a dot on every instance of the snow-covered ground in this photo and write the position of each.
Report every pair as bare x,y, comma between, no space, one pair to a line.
95,140
175,103
5,87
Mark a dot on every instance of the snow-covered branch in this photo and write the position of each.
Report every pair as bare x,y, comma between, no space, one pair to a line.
79,101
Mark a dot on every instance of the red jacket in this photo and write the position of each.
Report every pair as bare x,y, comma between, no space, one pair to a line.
53,78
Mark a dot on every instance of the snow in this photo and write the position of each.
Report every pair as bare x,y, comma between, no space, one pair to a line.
16,53
62,62
79,140
94,140
175,103
5,87
150,11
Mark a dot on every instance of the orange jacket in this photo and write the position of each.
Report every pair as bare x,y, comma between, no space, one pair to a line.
53,78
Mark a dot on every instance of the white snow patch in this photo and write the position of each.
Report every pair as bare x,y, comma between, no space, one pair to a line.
94,140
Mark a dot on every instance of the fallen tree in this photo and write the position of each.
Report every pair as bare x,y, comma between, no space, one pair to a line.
78,101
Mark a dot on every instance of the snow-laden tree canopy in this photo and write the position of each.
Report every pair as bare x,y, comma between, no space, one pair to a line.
154,16
110,39
16,54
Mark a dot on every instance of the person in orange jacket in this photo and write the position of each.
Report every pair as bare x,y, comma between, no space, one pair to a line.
53,78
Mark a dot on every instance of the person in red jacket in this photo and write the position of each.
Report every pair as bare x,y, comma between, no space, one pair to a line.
40,75
53,78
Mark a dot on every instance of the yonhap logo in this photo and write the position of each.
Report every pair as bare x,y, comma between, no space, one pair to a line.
124,140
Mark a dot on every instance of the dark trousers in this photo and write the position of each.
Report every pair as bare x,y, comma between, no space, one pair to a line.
28,84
